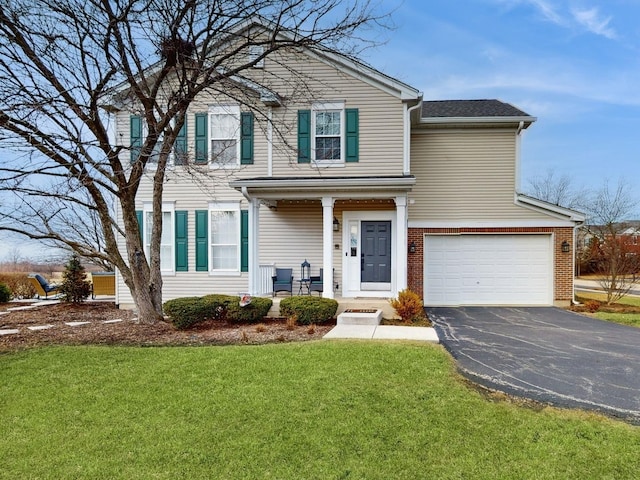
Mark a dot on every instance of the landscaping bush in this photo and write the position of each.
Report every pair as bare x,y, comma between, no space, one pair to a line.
592,305
19,284
75,288
252,313
308,310
189,311
409,306
5,293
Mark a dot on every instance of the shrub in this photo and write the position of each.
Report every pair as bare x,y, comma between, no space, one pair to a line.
252,313
189,311
186,312
5,293
592,305
19,284
75,288
309,309
408,305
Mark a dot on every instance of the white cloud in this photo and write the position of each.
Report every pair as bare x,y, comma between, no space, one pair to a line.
558,13
594,22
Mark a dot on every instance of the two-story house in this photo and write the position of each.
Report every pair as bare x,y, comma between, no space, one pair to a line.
362,178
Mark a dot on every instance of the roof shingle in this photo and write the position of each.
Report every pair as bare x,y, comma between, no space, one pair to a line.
469,109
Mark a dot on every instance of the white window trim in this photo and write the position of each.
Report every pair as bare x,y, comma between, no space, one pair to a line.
167,207
332,107
254,52
231,206
217,110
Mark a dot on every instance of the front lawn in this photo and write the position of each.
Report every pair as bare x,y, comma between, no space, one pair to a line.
314,410
625,311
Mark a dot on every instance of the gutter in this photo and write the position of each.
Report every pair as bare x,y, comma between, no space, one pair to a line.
407,136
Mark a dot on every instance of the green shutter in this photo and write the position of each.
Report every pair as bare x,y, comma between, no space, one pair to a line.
182,262
202,240
351,134
180,147
246,138
139,216
135,136
244,240
304,136
201,138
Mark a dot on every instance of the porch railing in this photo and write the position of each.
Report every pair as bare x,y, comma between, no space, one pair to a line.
266,272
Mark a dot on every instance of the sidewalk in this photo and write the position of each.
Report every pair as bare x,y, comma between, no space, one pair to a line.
384,332
594,286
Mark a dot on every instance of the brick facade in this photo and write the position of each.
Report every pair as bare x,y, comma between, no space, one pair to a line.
563,262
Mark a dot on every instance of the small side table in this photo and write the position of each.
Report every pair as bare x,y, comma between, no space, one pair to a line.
304,286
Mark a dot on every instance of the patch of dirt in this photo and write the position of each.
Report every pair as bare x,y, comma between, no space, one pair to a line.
129,332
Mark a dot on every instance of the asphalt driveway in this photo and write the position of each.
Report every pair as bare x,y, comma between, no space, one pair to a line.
546,354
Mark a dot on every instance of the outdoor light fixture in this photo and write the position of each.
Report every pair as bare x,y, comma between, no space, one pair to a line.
566,248
336,225
412,247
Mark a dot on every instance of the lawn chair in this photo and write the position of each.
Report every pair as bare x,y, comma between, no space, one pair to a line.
103,283
317,283
42,286
283,281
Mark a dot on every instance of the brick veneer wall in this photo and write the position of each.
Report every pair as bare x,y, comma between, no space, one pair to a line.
563,262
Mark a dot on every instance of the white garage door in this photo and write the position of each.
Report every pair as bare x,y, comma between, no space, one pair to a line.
488,270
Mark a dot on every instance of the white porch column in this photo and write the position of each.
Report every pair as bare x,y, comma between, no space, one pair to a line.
254,250
327,246
401,236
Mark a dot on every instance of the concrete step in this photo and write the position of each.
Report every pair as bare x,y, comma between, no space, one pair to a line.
360,317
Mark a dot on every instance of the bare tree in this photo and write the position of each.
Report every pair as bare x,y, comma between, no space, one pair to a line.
558,190
65,64
608,209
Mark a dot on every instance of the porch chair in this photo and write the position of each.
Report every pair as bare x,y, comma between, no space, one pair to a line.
316,283
42,286
283,281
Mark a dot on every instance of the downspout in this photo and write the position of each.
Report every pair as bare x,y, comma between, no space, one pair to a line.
573,273
407,137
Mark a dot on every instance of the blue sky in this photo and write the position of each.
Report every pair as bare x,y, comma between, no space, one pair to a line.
573,64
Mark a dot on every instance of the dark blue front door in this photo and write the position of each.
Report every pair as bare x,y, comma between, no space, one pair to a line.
376,252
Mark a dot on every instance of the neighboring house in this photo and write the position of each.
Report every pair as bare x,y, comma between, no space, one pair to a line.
384,190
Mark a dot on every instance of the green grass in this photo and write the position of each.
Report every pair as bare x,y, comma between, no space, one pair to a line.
315,410
624,318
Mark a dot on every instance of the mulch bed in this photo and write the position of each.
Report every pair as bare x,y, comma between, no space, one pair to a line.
129,332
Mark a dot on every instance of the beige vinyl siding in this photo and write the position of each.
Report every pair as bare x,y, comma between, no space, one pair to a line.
465,175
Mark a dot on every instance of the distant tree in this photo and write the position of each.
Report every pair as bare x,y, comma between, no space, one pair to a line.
607,211
66,65
74,288
557,189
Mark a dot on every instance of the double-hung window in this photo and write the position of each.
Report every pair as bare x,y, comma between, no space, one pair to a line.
224,247
167,239
328,134
326,123
224,134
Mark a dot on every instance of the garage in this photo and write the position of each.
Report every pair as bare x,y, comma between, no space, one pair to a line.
488,269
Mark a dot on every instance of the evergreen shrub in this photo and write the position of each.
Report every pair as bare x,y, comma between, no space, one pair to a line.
308,310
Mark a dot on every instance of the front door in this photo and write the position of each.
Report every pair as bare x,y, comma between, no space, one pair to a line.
375,256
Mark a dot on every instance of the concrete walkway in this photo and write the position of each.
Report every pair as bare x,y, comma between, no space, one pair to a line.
384,332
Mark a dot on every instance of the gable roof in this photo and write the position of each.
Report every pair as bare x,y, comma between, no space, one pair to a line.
473,111
342,62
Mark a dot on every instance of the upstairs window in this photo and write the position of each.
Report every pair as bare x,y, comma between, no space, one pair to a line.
224,134
224,137
328,134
